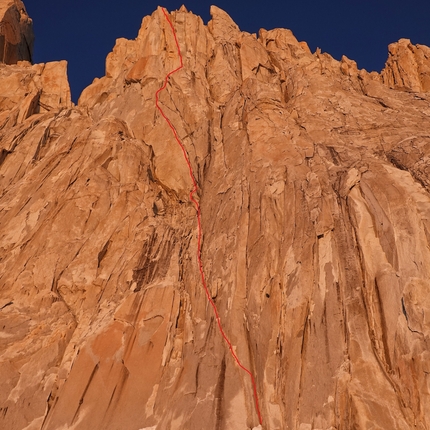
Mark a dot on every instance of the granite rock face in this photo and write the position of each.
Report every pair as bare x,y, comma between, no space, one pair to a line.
16,32
314,182
407,67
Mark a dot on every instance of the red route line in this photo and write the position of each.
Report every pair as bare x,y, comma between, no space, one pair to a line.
197,206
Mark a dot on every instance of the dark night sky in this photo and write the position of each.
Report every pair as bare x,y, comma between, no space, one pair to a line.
83,32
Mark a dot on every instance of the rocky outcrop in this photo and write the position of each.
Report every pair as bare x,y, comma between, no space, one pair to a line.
313,183
407,67
27,89
16,32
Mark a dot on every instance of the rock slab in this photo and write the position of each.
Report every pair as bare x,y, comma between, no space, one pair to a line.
314,182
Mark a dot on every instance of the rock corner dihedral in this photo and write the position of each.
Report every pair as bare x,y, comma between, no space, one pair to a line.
314,184
194,190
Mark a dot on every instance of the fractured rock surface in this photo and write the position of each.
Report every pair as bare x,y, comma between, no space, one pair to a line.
314,182
16,32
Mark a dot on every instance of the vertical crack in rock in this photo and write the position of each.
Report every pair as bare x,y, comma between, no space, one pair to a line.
314,192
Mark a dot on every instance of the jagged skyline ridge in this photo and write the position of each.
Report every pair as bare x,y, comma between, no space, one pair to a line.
84,33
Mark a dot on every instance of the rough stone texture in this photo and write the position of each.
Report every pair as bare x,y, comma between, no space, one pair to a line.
27,89
16,32
407,67
314,182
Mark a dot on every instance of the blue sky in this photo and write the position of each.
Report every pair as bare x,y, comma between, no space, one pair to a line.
83,32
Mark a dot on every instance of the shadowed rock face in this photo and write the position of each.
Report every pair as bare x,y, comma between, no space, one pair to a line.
16,32
314,184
